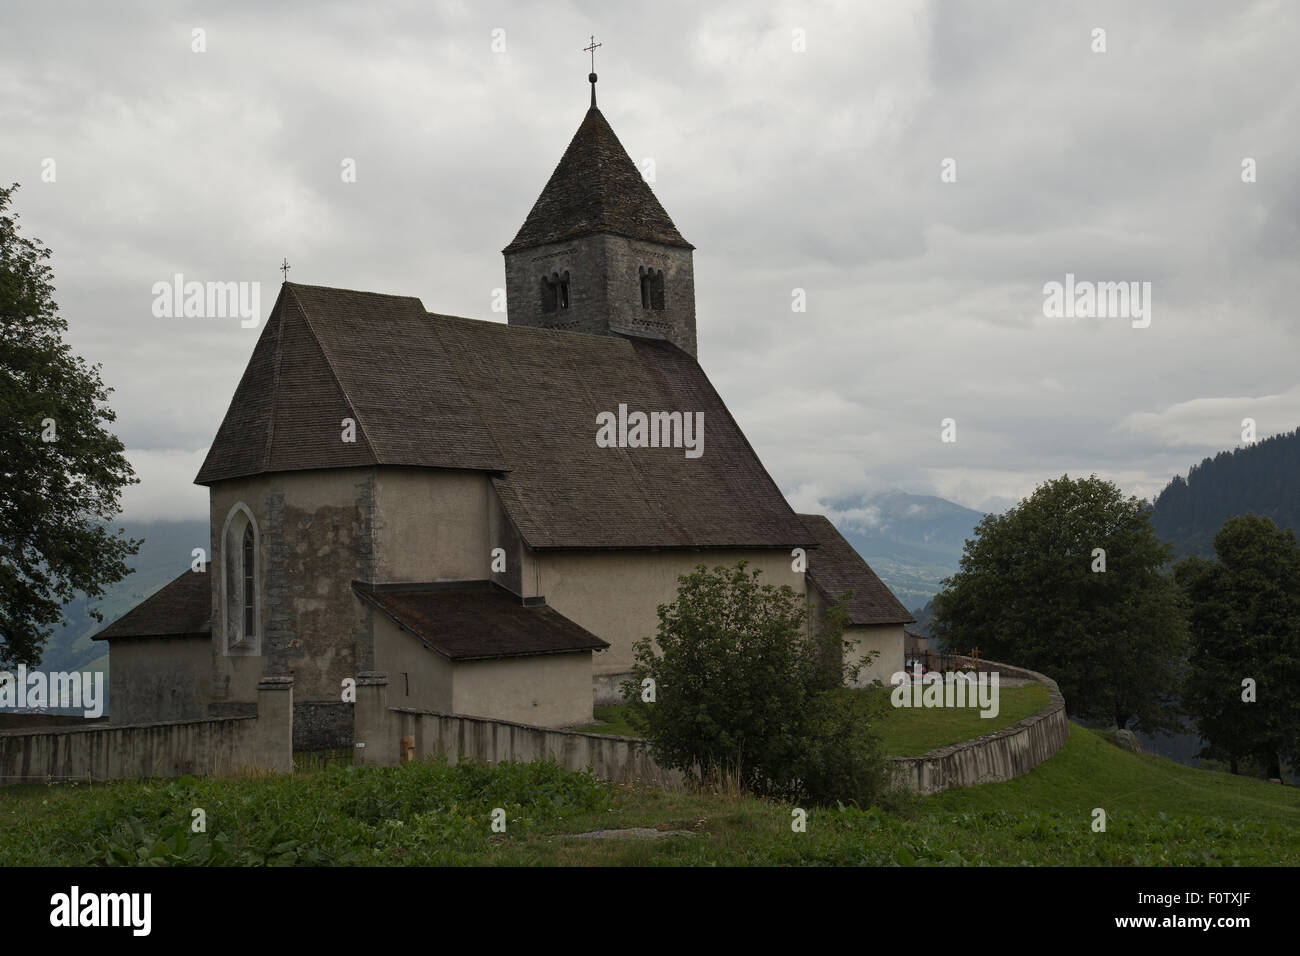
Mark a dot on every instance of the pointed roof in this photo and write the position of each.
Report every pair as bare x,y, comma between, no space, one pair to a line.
438,391
596,188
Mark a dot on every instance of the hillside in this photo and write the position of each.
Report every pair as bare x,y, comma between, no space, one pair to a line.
164,554
1262,479
911,541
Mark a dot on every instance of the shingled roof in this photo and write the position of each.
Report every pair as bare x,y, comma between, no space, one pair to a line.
835,567
596,188
521,403
478,620
181,608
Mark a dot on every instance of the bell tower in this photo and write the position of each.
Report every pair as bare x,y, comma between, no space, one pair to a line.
598,253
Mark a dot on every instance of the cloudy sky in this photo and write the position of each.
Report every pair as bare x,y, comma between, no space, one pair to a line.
819,169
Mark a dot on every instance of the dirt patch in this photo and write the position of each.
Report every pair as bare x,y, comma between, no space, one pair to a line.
630,833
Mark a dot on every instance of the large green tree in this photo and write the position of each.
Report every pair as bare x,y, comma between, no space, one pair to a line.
745,685
1072,582
61,470
1245,628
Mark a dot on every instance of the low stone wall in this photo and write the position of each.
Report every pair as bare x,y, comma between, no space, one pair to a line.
458,737
159,749
1001,755
384,733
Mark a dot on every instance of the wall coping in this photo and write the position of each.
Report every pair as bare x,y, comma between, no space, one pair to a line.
105,728
512,723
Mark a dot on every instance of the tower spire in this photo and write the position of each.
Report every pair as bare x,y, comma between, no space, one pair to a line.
591,77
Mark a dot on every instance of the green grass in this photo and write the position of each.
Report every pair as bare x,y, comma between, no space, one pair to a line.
611,720
1158,813
904,731
909,731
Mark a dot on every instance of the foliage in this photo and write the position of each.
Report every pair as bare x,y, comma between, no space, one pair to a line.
1245,623
1026,593
1158,813
739,674
61,471
1260,478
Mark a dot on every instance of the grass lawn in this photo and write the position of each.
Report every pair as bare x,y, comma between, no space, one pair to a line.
611,720
1158,812
908,731
904,731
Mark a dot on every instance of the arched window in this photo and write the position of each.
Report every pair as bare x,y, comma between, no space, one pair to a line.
240,579
652,288
555,291
250,560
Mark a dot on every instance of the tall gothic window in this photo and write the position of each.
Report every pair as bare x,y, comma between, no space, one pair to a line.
240,602
249,583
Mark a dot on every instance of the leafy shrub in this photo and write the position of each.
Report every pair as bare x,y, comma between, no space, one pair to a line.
745,687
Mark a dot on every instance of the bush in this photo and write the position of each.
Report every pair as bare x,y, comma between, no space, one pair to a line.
746,687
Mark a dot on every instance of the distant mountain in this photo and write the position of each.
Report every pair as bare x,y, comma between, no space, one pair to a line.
164,554
1261,479
911,541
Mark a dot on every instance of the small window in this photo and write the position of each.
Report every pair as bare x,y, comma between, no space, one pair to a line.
652,288
555,292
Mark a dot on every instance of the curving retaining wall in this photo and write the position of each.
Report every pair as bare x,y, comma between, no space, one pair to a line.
998,756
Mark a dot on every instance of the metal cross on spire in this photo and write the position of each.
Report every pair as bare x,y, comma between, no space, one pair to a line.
285,267
591,77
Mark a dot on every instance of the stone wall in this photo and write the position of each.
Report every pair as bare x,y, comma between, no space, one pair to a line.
383,732
322,725
458,737
158,749
1001,755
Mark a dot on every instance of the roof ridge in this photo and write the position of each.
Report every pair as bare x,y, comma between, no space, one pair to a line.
329,363
333,288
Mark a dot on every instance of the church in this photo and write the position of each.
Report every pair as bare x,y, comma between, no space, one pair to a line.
487,513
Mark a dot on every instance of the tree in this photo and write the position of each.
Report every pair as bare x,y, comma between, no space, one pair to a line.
744,685
61,471
1108,625
1245,626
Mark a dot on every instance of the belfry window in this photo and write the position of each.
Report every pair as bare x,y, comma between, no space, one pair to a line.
652,288
555,292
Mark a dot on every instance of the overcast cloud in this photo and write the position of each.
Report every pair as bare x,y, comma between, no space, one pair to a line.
816,170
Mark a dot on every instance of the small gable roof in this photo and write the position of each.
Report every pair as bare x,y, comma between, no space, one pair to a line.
439,391
477,620
596,188
836,567
180,608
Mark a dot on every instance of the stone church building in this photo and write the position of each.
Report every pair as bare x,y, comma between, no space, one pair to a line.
426,496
